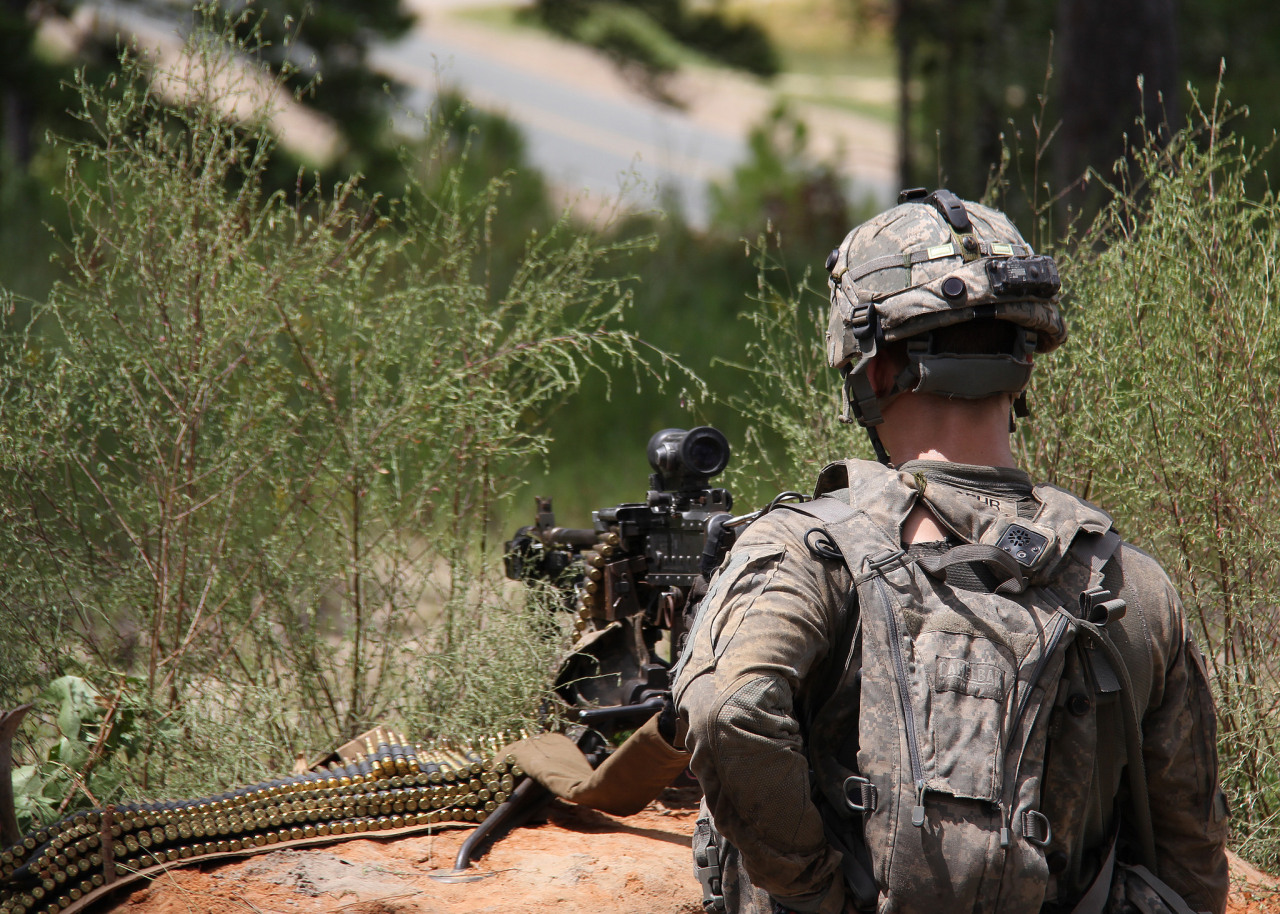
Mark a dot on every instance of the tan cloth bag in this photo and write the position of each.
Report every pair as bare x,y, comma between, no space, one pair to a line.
623,784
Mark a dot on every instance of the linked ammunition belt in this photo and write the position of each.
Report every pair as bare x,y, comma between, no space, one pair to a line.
395,788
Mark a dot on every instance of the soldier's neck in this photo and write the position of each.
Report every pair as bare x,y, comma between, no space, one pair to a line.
927,427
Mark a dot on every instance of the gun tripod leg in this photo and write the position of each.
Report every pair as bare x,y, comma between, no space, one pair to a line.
524,801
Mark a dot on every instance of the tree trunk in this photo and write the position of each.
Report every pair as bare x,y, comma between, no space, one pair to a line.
1103,47
18,107
902,33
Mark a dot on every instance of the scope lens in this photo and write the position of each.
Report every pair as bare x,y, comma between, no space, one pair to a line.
703,455
705,451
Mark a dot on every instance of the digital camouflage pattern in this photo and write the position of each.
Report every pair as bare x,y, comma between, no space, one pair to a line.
764,689
908,297
911,271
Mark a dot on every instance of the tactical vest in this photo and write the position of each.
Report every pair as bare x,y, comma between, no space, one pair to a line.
929,752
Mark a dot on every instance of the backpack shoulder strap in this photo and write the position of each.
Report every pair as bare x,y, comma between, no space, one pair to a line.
1098,607
861,506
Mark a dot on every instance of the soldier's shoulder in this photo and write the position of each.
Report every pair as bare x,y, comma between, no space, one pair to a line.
1155,611
777,526
1141,569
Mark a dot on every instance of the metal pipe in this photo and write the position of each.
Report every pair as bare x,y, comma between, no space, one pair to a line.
519,806
594,716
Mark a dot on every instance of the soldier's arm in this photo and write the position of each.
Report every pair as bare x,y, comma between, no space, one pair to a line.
766,623
1179,731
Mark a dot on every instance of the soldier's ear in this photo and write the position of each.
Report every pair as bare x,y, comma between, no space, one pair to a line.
881,371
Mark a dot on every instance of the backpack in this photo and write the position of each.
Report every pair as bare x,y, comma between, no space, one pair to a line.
928,749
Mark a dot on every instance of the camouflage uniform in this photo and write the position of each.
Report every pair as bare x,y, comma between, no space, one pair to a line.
973,728
769,644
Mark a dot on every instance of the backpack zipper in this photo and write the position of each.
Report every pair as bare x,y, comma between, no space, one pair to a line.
913,747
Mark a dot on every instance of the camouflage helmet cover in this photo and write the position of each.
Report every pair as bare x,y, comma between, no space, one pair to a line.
894,276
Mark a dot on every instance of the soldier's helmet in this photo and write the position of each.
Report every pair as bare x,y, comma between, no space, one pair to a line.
931,262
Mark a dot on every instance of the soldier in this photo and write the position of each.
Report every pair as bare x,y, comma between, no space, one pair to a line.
938,686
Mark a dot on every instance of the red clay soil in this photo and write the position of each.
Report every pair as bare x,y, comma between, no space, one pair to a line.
577,861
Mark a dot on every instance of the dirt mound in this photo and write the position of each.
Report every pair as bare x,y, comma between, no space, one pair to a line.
576,861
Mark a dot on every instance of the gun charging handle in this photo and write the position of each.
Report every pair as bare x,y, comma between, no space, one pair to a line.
593,717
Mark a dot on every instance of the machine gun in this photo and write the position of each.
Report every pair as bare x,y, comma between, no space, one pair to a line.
634,576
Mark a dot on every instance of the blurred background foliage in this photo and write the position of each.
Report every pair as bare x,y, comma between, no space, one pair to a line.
1163,402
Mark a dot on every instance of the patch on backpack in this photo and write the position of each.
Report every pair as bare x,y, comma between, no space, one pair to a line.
1026,546
981,680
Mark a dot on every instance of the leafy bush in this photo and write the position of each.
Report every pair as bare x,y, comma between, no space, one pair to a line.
784,190
632,39
1164,408
645,33
791,395
250,447
743,45
87,732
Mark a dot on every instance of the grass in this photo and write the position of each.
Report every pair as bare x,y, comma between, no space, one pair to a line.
499,16
846,65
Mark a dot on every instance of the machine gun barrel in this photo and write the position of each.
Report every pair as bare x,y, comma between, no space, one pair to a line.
565,536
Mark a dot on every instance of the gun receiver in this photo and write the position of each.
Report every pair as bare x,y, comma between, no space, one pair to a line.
636,572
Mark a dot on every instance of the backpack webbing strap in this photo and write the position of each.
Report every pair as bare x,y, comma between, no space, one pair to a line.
1094,900
1176,902
835,516
997,560
1094,552
1137,775
855,860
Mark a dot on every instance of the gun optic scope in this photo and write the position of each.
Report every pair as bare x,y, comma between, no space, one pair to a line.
694,455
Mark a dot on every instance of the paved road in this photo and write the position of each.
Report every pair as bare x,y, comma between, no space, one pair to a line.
578,136
588,129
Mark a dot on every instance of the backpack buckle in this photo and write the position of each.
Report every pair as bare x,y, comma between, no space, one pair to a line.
860,795
706,866
1036,828
884,559
1101,607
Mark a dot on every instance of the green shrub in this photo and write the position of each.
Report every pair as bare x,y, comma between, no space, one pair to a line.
782,189
743,45
647,34
250,446
791,397
1164,406
631,38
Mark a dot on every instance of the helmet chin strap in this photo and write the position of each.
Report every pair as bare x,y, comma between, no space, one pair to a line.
861,402
881,454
